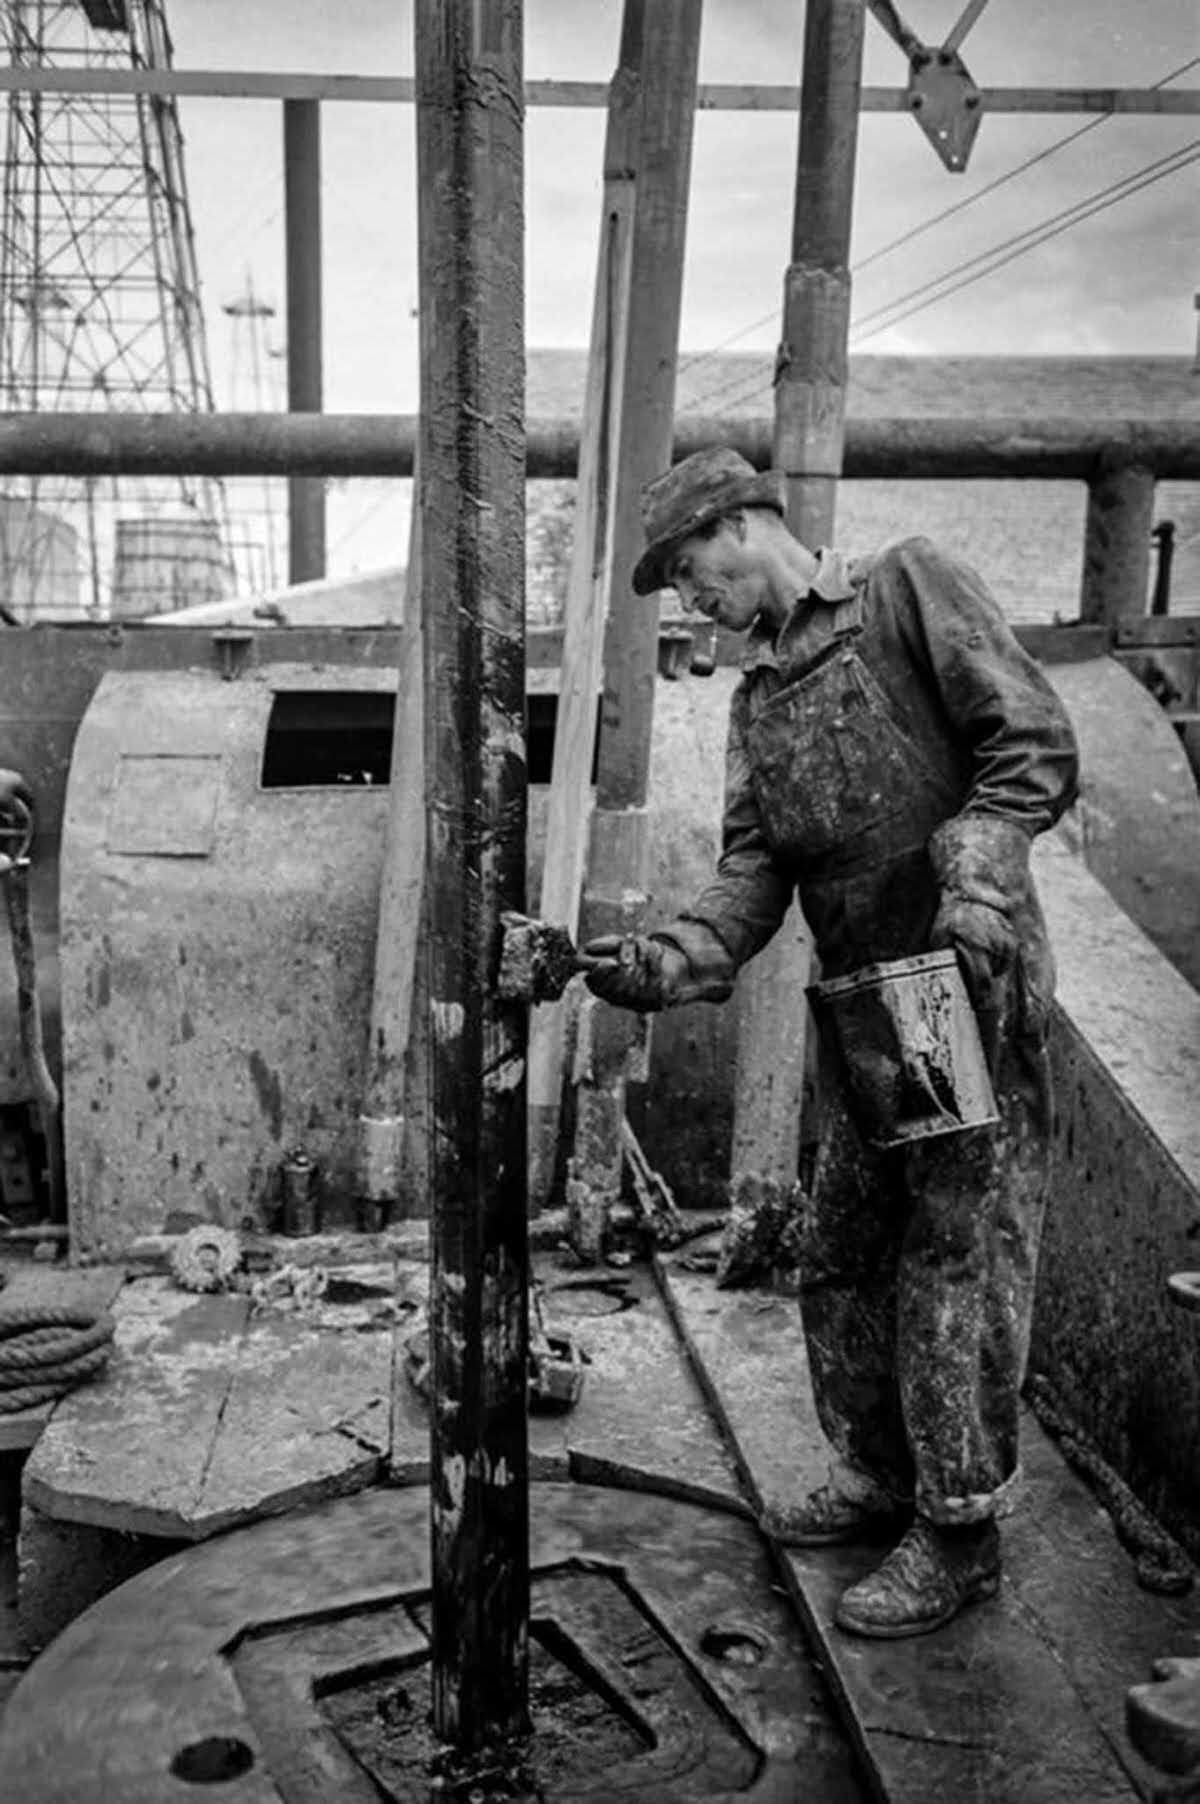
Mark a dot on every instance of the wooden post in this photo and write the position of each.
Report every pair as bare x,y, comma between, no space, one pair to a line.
392,1046
1116,543
472,502
810,401
614,897
302,231
589,593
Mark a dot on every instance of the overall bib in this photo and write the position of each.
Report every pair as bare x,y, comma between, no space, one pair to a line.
918,1263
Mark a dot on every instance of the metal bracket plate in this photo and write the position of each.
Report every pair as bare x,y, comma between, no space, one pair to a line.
946,104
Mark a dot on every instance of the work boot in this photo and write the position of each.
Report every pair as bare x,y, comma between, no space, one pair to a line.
925,1581
846,1508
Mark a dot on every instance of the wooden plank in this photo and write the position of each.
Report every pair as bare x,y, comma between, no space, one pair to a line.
32,1286
131,1452
306,1415
754,97
1069,643
1076,1585
747,1349
1020,1702
982,1709
641,1421
663,42
589,597
386,1132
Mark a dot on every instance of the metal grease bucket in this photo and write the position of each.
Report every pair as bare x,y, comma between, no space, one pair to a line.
910,1048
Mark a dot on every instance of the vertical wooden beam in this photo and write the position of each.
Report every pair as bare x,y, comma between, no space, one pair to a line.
614,896
589,592
670,32
472,502
810,405
383,1122
1117,544
302,233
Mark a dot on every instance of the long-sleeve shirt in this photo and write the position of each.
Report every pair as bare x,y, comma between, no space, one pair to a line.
854,733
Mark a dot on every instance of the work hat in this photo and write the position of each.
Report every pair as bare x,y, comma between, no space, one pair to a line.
689,495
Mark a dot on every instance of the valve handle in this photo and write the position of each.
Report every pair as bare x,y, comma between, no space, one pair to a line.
16,832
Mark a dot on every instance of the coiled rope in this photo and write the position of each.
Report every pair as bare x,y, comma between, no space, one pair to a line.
46,1352
1159,1562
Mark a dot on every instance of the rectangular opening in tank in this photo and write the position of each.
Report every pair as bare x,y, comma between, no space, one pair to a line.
328,739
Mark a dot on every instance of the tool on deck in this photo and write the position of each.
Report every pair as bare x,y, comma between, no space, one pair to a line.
16,842
556,1363
665,1224
206,1258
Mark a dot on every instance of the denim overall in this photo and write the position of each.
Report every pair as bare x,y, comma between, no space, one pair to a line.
918,1263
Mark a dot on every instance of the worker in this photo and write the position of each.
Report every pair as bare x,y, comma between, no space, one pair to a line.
892,752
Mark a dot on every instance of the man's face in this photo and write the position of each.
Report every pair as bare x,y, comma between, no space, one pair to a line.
720,575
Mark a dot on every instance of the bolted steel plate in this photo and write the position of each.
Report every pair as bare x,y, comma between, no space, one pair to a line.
290,1661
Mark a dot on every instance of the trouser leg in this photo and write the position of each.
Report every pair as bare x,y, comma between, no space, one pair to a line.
965,1293
851,1245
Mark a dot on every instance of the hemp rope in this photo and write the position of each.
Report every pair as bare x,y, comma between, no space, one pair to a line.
46,1352
1160,1563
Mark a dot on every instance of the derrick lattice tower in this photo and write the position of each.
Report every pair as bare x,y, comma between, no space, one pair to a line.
100,311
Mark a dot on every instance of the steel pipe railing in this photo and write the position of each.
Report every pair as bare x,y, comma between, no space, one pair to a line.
349,445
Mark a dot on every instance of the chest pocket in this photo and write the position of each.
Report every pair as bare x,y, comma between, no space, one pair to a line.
838,775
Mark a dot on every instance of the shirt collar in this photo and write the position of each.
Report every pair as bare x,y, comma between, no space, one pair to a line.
838,578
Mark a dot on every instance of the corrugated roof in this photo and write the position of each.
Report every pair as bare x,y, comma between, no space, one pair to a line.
738,383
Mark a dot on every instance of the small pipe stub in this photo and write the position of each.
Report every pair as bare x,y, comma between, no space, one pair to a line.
301,1212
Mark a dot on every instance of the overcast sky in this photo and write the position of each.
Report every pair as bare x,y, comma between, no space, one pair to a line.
1122,281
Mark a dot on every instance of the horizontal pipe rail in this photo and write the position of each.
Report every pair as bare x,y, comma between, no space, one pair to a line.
360,445
735,97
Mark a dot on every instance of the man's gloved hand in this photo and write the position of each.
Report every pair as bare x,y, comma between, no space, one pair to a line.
982,864
983,937
633,971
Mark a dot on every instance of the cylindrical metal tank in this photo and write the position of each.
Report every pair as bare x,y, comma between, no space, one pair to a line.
162,564
220,869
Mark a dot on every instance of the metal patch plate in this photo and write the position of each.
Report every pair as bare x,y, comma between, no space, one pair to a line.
164,806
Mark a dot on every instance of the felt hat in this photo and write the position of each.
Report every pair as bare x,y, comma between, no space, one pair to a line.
690,494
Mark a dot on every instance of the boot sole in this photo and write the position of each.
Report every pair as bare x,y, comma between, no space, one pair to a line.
866,1528
982,1591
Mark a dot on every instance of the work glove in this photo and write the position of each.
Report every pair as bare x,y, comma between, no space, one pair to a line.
982,866
633,971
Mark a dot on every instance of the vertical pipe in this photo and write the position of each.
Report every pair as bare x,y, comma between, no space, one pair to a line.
810,407
302,230
810,392
471,466
1164,545
1116,544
